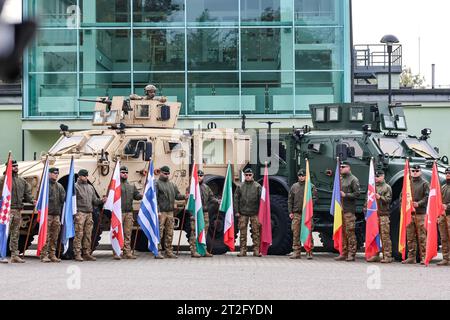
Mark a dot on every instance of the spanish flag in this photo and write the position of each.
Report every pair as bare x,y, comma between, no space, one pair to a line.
336,210
406,209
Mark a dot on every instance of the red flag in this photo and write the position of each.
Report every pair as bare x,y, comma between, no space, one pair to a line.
264,215
42,209
406,208
434,209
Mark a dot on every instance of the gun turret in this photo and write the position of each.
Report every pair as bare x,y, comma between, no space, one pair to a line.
106,101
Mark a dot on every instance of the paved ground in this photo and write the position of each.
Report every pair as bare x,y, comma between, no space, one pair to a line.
221,277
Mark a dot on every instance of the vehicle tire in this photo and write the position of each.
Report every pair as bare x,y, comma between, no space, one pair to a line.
281,226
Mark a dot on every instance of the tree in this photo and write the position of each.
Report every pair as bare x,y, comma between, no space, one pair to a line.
410,80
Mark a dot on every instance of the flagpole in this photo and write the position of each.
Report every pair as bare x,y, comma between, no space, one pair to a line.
138,227
184,216
34,211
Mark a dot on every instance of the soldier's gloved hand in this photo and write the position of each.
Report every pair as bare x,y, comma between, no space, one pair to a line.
291,215
444,207
377,196
342,194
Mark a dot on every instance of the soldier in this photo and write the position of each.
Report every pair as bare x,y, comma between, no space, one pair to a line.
384,198
295,206
129,193
207,199
86,200
166,193
150,94
420,190
444,221
56,198
20,193
350,191
246,201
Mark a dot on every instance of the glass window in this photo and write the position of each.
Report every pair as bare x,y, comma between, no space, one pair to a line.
212,12
390,146
421,148
105,50
316,12
134,146
95,144
355,146
266,12
318,35
158,50
266,49
313,60
212,49
320,114
356,114
158,13
400,123
53,13
333,114
214,93
104,12
213,151
388,122
65,143
52,94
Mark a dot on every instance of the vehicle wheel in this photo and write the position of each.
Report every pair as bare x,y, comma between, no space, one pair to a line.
281,226
327,242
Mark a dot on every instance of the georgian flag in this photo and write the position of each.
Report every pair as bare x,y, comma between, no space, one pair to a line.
114,204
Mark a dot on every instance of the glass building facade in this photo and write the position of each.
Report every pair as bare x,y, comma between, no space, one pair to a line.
218,58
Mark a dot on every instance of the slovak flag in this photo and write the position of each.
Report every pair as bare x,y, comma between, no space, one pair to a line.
373,244
5,209
42,209
114,204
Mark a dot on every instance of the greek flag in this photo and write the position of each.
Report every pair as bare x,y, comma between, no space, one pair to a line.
148,213
69,209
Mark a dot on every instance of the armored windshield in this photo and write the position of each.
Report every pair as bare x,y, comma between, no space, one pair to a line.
65,144
421,148
96,143
390,146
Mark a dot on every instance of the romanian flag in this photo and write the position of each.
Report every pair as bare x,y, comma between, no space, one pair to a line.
406,209
373,244
307,210
336,210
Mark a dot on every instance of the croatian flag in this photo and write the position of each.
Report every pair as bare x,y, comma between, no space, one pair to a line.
148,213
114,204
5,207
373,244
69,210
42,209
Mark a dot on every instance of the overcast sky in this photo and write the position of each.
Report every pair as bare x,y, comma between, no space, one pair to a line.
409,20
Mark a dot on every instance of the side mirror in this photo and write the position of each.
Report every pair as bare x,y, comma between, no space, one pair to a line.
444,160
341,151
436,149
148,151
351,152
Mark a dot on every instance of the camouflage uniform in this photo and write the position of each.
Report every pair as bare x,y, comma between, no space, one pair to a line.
56,198
129,193
86,200
385,192
350,186
148,88
167,192
444,225
246,201
420,190
20,193
295,206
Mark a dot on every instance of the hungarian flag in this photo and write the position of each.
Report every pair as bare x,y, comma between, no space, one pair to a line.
114,204
195,207
227,207
42,209
336,210
307,213
5,208
264,215
434,210
373,244
406,209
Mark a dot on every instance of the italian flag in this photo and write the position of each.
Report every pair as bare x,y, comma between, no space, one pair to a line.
195,207
307,213
227,207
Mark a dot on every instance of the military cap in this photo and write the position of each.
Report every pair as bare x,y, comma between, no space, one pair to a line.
379,173
345,163
53,170
301,172
447,170
150,87
83,173
165,169
123,169
200,173
13,162
416,167
248,170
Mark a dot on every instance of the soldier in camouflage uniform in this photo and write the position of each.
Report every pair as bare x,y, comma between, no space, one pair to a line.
384,197
86,200
166,193
56,198
350,191
444,221
295,206
246,202
420,189
20,193
128,194
150,94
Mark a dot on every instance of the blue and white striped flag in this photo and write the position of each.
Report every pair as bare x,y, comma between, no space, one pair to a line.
69,209
148,213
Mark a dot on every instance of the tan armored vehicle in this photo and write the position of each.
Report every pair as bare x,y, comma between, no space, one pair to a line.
136,131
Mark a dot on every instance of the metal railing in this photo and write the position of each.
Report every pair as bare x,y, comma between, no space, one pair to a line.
376,55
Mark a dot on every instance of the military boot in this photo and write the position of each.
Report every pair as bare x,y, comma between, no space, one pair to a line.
171,255
256,253
89,257
375,258
129,255
350,258
17,259
116,257
387,260
159,256
209,255
443,263
53,258
78,257
340,258
45,259
195,255
410,260
295,255
309,255
242,253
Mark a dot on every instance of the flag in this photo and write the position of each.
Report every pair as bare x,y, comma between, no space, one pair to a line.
336,211
69,210
264,215
373,244
195,207
5,207
226,206
406,208
148,213
42,209
434,210
307,213
114,204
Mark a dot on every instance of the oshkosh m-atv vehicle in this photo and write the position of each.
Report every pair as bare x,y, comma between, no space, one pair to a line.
136,131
